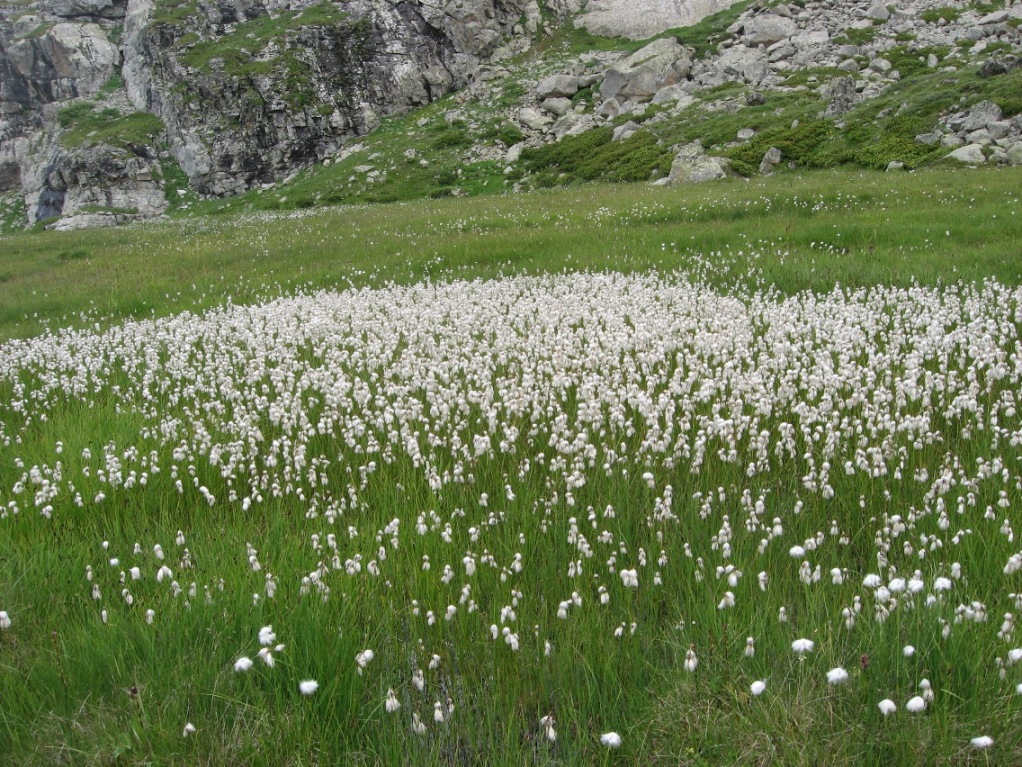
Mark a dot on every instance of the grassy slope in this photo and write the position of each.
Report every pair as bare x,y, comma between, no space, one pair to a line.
856,228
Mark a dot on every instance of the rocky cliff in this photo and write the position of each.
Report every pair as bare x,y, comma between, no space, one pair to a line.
102,100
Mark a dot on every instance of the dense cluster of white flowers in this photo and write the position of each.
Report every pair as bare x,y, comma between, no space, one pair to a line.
564,382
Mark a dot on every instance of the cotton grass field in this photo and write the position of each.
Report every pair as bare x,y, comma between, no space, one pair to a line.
380,500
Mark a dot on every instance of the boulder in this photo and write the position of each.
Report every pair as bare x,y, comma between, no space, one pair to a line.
1015,154
997,17
674,93
980,114
625,131
771,160
841,96
811,38
609,109
559,106
661,63
557,86
573,124
742,63
640,19
998,129
992,68
970,154
692,166
878,12
768,29
534,119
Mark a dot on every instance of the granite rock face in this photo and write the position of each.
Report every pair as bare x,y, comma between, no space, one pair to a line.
247,91
639,19
243,107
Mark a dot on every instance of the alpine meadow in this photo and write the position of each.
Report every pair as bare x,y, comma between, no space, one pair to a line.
510,383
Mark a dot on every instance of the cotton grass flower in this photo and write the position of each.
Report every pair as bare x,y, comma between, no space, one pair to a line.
363,659
5,620
982,741
547,723
242,664
757,687
837,676
188,730
418,726
691,661
267,636
392,704
308,686
611,740
927,689
915,705
802,646
887,706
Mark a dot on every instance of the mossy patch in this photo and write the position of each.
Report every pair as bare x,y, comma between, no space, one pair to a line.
856,36
87,125
174,12
242,51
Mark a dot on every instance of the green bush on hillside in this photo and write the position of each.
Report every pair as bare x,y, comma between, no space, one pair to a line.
593,156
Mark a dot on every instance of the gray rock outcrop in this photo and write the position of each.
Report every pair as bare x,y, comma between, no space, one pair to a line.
771,159
639,19
693,166
248,91
637,78
768,29
971,154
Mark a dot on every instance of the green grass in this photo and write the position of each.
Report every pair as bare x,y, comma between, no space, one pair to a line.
174,12
238,51
86,124
883,222
947,13
856,36
84,691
